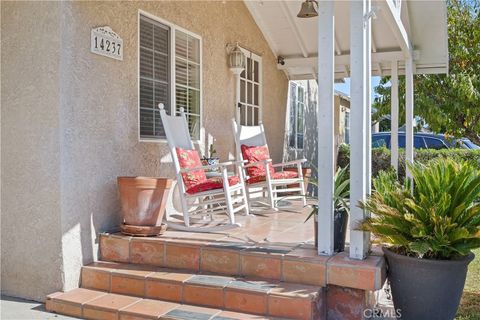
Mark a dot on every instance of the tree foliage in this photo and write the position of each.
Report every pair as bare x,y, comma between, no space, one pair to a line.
447,103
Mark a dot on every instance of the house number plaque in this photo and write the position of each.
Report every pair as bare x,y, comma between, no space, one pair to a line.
107,43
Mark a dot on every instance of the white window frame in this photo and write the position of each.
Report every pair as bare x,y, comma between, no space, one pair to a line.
306,93
257,58
173,29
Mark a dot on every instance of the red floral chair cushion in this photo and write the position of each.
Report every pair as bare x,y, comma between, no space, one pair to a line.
212,184
256,154
196,181
275,175
190,159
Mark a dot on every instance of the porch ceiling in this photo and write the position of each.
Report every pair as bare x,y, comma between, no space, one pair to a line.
295,39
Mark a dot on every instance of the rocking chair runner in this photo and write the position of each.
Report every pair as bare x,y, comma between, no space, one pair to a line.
259,171
199,195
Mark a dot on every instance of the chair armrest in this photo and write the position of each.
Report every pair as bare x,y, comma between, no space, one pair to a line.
212,166
289,163
253,164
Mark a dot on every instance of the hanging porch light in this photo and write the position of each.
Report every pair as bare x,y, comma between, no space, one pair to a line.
308,9
236,60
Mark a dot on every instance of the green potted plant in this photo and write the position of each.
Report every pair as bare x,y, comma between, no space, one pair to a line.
341,200
428,232
211,157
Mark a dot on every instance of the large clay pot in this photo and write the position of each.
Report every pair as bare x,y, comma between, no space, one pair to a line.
426,289
143,199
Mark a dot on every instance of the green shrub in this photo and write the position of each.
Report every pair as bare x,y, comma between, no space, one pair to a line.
381,158
439,219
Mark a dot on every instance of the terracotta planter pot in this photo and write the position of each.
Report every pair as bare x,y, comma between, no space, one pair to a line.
307,173
143,199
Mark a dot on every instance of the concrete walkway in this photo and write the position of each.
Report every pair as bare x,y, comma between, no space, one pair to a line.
19,309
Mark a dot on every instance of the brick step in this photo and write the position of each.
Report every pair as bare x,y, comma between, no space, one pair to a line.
253,296
291,264
297,264
99,305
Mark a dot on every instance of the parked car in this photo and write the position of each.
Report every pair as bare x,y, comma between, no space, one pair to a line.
423,141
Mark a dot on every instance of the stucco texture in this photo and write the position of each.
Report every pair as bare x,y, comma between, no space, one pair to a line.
31,236
91,109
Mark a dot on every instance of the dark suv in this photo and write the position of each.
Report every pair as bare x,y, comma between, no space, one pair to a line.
423,141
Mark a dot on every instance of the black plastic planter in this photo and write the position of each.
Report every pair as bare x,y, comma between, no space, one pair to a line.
426,289
340,225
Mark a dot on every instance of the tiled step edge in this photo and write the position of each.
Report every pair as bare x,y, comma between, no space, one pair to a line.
297,265
98,305
273,298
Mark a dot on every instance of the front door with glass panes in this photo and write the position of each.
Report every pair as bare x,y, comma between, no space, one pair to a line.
249,111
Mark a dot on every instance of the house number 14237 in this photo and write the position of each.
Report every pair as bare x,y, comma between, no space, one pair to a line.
107,43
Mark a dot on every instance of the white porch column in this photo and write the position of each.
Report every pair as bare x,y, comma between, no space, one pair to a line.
368,99
326,142
394,115
409,118
359,90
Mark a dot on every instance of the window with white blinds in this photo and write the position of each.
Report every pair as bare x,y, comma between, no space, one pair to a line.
169,73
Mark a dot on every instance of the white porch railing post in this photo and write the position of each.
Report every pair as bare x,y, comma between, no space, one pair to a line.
409,117
359,89
326,146
394,115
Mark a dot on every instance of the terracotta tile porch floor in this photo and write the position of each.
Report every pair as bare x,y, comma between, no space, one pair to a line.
285,227
267,268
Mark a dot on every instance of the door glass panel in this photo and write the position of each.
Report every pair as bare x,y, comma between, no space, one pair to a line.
243,118
242,90
249,92
256,71
255,116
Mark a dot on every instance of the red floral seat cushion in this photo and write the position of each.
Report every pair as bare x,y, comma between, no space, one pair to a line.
190,159
255,154
275,175
212,184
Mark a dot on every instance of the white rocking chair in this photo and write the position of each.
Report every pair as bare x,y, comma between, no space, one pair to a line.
276,184
204,197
